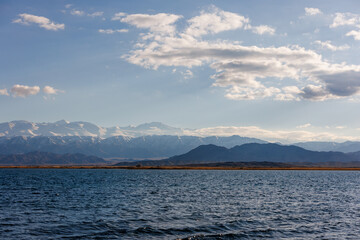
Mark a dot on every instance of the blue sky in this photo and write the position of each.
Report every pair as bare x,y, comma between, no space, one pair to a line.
258,68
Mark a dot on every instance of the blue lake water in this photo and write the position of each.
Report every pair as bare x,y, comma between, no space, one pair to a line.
178,204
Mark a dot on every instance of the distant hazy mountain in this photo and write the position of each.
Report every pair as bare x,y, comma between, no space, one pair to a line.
345,147
43,158
121,135
65,128
252,152
120,146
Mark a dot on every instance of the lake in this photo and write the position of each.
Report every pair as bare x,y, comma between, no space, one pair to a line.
178,204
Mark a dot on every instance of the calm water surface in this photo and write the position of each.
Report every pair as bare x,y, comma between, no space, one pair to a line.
178,204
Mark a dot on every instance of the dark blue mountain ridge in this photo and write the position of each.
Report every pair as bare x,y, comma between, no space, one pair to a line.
252,152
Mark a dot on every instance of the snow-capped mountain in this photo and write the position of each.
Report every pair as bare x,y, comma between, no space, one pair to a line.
65,128
154,146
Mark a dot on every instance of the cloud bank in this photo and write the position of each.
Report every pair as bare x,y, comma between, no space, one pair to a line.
246,72
283,136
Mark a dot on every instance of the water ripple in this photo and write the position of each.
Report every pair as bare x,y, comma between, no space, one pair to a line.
126,204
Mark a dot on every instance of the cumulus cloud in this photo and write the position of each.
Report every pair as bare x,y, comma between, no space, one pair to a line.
214,21
330,46
4,92
43,22
263,29
24,91
343,19
246,72
51,91
112,31
312,11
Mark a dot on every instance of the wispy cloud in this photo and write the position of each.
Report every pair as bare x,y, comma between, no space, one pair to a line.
263,29
51,91
355,34
187,74
330,46
43,22
95,14
112,31
159,23
77,12
118,16
284,136
304,125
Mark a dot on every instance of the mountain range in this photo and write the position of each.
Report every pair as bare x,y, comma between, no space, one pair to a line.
156,146
65,128
148,140
252,152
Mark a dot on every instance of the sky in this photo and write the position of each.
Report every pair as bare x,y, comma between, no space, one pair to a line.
255,68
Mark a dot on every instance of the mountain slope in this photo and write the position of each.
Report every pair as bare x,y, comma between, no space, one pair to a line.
44,158
252,152
119,146
65,128
345,147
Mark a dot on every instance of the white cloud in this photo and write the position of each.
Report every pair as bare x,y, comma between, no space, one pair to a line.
112,31
312,11
348,19
77,12
43,22
4,92
343,19
95,14
247,72
24,91
284,136
187,74
263,29
306,125
160,23
214,21
289,93
118,16
68,5
330,46
51,91
354,34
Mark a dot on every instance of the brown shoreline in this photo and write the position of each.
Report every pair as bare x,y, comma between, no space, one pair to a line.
187,168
